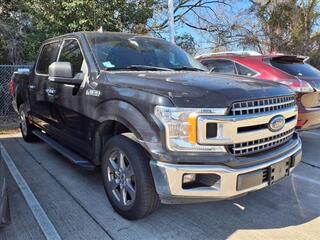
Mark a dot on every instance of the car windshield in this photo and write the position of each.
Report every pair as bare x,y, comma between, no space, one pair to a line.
298,69
128,52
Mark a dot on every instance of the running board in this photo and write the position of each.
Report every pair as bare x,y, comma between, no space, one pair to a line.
72,156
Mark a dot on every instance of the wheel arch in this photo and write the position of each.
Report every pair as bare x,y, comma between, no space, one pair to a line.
118,117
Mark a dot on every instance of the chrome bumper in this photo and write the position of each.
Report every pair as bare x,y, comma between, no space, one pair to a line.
168,179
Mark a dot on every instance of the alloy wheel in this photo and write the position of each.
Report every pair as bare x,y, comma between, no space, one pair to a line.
121,178
23,123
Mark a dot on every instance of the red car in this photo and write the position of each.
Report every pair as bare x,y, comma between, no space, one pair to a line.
292,71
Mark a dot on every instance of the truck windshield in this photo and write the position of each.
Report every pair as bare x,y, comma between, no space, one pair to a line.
134,53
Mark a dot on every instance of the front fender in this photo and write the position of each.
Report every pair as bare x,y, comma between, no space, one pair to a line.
146,132
129,116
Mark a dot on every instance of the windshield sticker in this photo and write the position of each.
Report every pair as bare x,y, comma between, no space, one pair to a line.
108,64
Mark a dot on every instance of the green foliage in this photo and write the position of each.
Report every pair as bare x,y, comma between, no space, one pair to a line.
291,26
29,22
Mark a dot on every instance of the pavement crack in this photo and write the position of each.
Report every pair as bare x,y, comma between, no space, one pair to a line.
66,190
311,165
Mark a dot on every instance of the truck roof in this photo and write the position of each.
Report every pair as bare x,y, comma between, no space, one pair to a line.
91,34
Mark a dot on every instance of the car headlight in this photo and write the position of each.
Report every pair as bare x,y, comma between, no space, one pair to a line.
181,128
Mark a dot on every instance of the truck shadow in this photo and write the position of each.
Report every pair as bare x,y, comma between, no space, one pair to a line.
289,203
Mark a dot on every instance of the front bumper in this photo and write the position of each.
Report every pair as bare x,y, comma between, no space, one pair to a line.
229,183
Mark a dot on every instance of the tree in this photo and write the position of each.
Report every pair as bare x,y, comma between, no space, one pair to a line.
186,42
25,24
289,26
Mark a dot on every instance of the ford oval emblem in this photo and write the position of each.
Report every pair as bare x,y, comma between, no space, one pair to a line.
276,123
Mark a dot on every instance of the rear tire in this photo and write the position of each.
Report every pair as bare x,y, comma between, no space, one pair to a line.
25,126
127,178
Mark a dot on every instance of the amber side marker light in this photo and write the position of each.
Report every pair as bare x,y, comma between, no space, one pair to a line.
192,120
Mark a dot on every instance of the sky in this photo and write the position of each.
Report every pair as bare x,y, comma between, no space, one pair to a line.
203,40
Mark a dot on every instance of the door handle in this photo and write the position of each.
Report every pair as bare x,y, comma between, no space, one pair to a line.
32,87
50,91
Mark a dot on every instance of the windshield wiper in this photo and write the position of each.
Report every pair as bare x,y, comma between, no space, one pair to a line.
147,67
142,67
187,68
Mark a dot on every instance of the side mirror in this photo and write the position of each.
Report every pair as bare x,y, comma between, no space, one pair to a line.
61,72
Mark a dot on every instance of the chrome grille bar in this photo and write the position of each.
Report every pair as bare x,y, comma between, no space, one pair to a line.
262,105
259,145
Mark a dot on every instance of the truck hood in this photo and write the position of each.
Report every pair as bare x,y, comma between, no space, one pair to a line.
198,89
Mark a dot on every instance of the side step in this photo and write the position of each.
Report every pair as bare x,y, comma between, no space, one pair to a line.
72,156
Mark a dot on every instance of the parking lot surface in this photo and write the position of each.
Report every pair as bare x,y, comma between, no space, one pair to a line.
75,203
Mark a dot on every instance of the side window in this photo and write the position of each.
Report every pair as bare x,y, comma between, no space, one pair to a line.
242,70
221,65
209,63
47,56
71,53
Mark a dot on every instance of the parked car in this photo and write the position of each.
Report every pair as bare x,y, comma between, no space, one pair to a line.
292,71
4,200
162,128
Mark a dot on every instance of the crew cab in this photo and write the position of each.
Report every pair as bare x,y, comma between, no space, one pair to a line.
157,123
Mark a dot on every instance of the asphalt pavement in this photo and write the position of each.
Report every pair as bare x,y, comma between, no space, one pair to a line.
75,202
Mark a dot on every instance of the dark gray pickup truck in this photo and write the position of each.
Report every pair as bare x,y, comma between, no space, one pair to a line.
161,127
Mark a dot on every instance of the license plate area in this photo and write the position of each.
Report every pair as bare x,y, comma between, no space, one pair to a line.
279,170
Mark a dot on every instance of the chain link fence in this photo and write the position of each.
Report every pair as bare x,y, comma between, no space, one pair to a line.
8,117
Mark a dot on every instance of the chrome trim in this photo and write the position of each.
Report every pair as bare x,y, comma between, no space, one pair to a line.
262,105
168,178
247,148
228,127
313,109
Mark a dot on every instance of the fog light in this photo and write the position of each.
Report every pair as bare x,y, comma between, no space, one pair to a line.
189,178
198,180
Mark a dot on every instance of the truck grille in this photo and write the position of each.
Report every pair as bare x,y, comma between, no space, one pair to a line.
262,105
255,146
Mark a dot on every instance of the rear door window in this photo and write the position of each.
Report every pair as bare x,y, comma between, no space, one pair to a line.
220,65
298,69
47,56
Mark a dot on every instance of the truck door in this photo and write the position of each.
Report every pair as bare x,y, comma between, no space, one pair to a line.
68,102
38,89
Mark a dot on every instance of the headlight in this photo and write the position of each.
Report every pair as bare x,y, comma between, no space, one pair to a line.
181,128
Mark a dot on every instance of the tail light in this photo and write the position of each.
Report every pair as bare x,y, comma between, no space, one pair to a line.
11,87
297,85
301,123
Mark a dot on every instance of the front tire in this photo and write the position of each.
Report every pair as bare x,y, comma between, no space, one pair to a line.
127,178
25,126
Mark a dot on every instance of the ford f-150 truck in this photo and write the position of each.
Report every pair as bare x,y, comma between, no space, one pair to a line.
161,128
